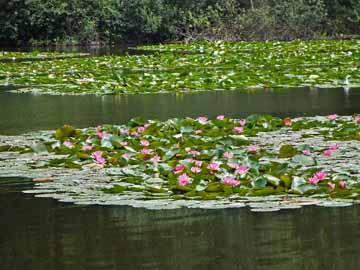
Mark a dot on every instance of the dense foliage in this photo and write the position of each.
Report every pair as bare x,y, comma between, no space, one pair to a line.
86,21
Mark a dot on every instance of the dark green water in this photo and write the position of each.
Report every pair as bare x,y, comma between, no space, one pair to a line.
43,234
26,112
38,234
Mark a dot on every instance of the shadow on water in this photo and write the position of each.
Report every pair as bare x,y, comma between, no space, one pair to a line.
44,234
21,113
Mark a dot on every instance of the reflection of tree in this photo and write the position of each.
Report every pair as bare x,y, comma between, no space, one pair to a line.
43,234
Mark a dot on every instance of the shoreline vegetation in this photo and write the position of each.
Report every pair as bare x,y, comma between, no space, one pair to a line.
43,23
187,67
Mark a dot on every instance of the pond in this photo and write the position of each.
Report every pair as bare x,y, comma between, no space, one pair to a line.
40,233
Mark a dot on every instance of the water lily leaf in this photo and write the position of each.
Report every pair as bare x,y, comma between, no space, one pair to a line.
72,165
170,154
115,189
106,143
259,182
163,167
272,179
114,171
116,141
4,148
138,121
239,140
128,148
39,147
287,151
215,187
156,190
65,132
300,185
187,129
304,160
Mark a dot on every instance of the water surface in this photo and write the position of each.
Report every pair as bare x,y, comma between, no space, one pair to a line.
43,234
40,234
20,113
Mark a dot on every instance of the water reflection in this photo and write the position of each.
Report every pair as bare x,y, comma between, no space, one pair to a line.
44,234
24,112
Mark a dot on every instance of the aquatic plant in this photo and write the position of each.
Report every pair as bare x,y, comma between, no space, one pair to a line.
174,159
199,66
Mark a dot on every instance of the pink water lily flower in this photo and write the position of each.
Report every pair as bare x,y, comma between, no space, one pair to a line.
198,131
202,120
87,147
228,155
98,157
213,166
306,152
357,119
144,143
190,160
287,122
253,148
179,168
342,184
331,185
88,140
146,151
156,159
231,181
332,117
334,146
195,169
238,130
194,153
233,165
198,163
124,131
68,144
140,129
220,117
126,155
100,135
317,177
124,143
243,169
134,133
242,122
183,179
327,152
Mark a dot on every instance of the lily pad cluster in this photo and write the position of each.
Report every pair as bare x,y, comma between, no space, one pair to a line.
6,56
213,159
199,66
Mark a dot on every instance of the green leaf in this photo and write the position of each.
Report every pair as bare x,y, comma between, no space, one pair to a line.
170,154
115,189
116,141
259,182
304,160
300,185
272,179
187,129
65,132
287,151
